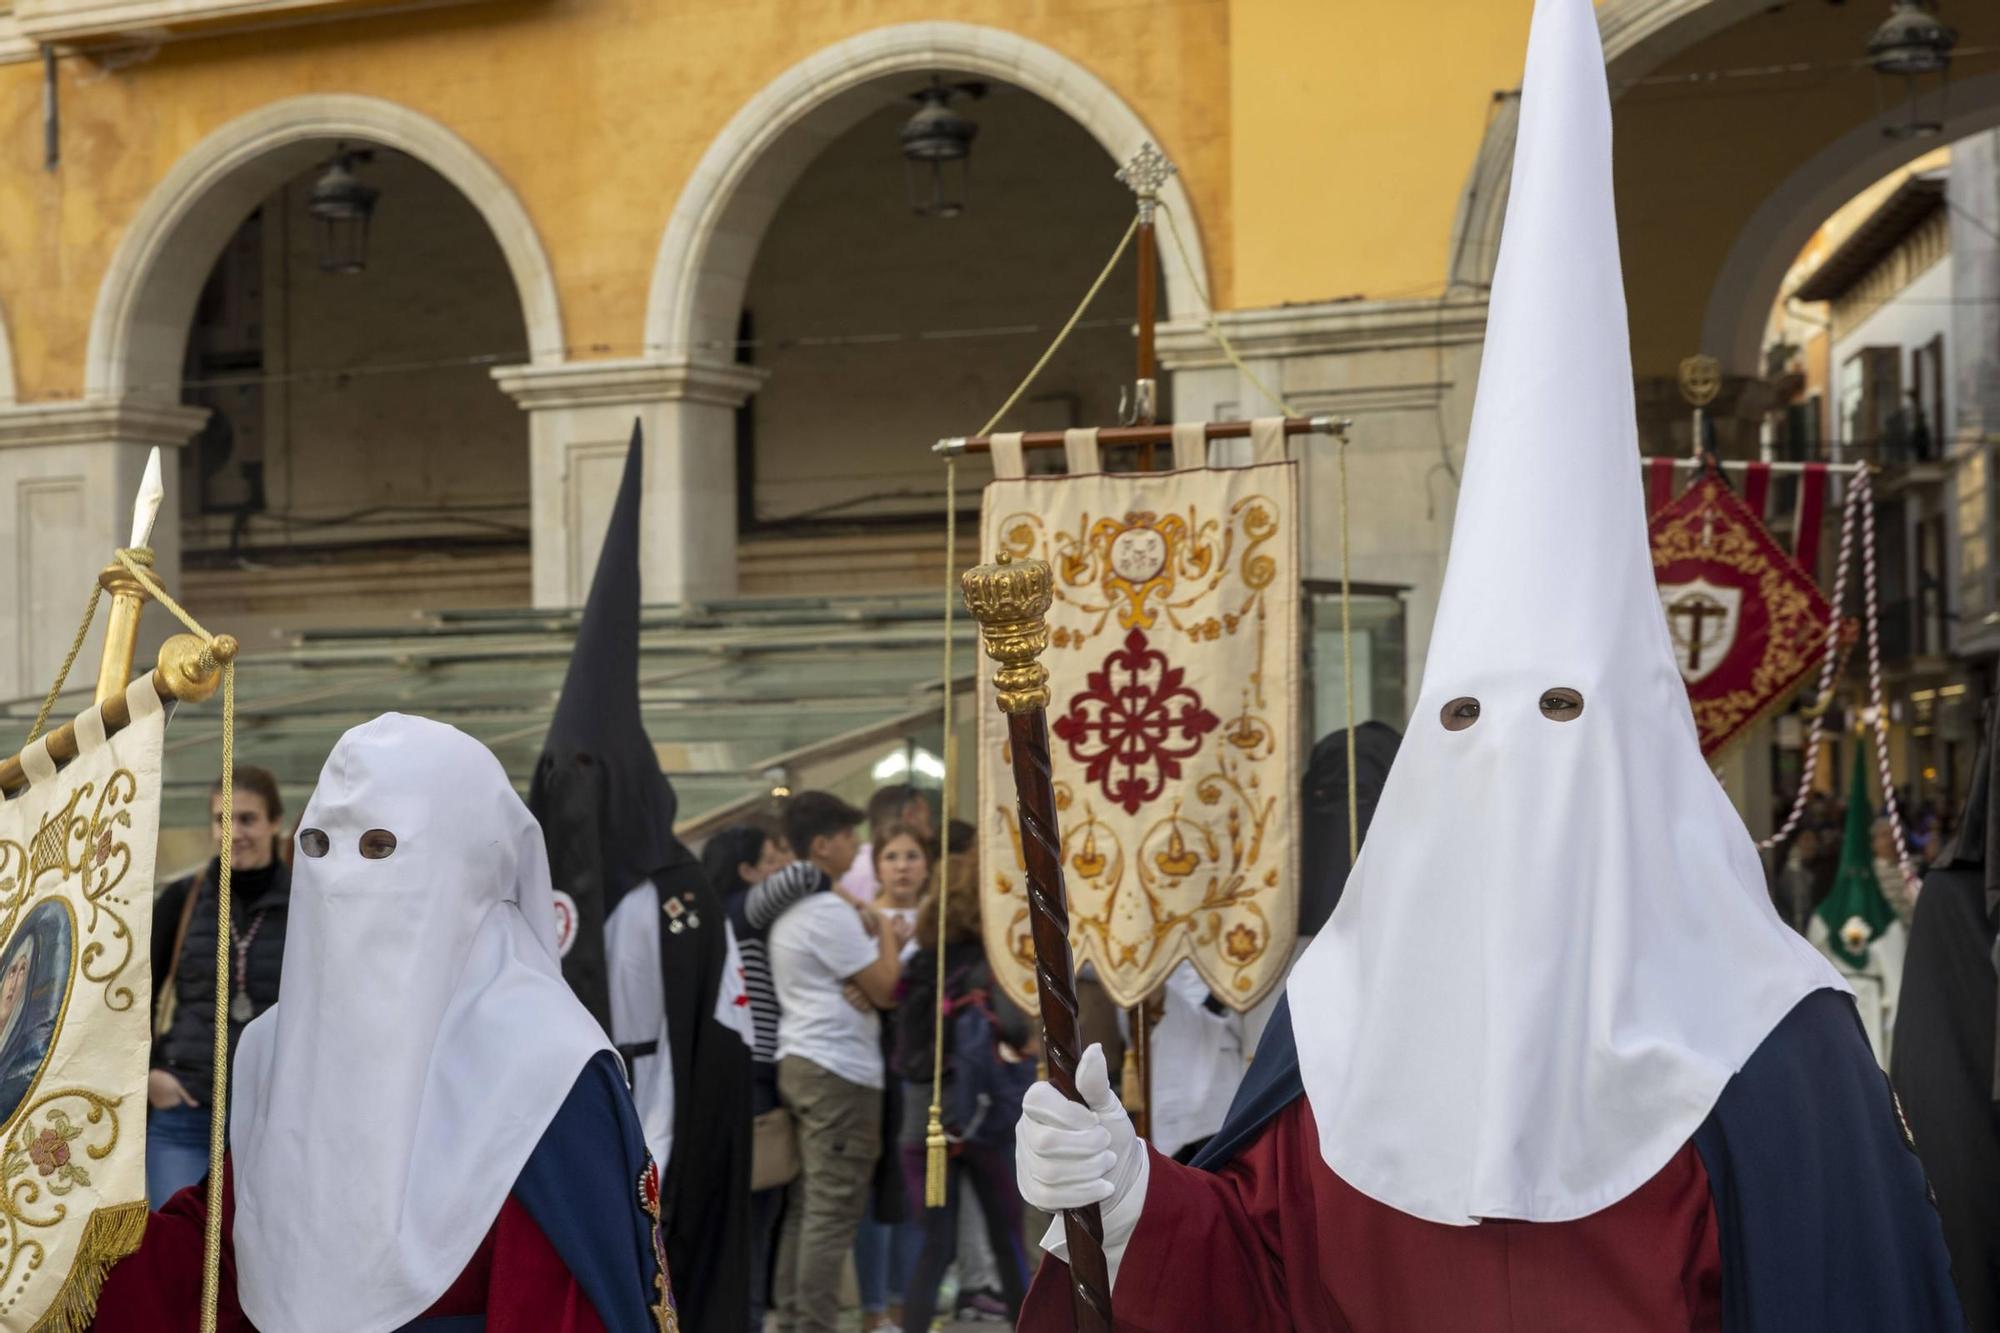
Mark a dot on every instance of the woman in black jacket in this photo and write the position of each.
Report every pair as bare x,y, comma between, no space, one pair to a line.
180,1088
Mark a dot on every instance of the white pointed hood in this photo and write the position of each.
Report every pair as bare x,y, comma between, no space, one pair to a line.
422,1041
1557,946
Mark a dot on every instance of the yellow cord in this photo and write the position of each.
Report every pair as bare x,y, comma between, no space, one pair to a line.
936,1147
1346,570
211,1258
69,660
936,1162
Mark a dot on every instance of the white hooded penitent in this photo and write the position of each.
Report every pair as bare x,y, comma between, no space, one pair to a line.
423,1043
1557,947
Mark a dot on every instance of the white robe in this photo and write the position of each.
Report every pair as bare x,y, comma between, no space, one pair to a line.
639,1008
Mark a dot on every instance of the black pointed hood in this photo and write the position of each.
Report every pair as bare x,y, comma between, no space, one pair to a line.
606,810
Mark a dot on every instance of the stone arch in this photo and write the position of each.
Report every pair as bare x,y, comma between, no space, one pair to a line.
1754,272
139,329
712,238
1639,36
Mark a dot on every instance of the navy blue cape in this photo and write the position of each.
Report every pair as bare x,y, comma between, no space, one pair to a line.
1824,1218
581,1185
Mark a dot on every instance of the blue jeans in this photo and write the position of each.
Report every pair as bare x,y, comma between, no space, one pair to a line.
176,1151
882,1256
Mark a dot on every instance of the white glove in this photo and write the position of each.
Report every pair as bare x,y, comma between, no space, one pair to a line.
1068,1155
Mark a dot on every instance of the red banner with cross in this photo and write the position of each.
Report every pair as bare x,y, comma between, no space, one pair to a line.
1747,619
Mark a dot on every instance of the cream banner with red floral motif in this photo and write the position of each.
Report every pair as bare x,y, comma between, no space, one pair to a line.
1174,663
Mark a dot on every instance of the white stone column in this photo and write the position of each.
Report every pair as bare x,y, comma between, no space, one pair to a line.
580,419
68,475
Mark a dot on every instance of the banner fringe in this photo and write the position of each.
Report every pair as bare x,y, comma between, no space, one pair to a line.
110,1235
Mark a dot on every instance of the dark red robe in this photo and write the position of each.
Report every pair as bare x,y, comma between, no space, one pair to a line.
1276,1242
517,1280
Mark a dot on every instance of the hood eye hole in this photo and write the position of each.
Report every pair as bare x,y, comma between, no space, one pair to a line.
313,842
1562,704
378,844
1460,713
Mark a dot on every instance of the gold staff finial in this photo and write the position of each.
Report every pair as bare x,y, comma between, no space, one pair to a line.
1010,599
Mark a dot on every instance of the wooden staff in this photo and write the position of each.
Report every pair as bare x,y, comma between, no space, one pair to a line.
1010,600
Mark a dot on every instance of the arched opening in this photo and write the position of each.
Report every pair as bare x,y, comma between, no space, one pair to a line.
1772,216
923,324
357,461
919,330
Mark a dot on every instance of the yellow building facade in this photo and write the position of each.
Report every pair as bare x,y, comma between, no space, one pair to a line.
694,213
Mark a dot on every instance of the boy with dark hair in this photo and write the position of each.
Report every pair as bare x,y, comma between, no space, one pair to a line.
829,1060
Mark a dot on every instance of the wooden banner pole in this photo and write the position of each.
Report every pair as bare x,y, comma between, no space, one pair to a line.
1011,600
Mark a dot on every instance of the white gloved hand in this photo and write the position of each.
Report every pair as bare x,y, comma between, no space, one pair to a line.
1069,1155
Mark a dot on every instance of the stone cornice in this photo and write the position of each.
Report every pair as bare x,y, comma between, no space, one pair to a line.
15,45
574,384
1327,328
28,425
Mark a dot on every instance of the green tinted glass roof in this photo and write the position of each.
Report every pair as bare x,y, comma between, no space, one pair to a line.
737,696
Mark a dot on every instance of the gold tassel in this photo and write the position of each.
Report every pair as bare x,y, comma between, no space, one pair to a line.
934,1159
110,1235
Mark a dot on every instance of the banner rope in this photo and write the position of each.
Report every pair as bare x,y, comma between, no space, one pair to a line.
936,1146
211,1258
1215,331
69,660
1829,670
1863,486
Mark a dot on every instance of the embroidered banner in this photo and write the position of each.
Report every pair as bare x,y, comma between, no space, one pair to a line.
76,922
1174,662
1747,622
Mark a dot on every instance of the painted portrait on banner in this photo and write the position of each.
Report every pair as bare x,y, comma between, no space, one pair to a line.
76,899
35,968
1173,661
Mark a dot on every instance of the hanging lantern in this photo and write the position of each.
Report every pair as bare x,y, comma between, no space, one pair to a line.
937,150
341,207
1912,45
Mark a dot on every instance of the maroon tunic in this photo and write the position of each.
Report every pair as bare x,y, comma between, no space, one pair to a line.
1276,1242
517,1280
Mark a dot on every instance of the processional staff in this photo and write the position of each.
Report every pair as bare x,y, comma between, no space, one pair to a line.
1011,600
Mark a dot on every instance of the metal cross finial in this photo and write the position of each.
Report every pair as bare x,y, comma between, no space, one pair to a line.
1144,175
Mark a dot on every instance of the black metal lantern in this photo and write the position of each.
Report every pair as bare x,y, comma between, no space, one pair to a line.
1913,44
937,149
341,207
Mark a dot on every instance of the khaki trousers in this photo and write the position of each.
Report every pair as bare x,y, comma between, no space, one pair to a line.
840,1135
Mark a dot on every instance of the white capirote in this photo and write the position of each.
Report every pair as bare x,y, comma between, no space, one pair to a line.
422,1042
1557,946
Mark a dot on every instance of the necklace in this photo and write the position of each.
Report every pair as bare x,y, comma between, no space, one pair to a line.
240,1008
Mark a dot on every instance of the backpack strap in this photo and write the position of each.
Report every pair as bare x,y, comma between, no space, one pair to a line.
164,1015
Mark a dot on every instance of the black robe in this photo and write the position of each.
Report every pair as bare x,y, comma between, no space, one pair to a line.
1324,859
1944,1061
607,814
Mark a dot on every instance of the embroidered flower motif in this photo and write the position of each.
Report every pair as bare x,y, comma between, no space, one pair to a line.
1240,943
102,851
49,1152
1133,723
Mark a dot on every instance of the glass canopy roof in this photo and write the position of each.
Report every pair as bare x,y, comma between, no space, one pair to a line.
738,697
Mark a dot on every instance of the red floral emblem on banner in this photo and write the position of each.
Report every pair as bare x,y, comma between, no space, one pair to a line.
1747,622
1133,723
